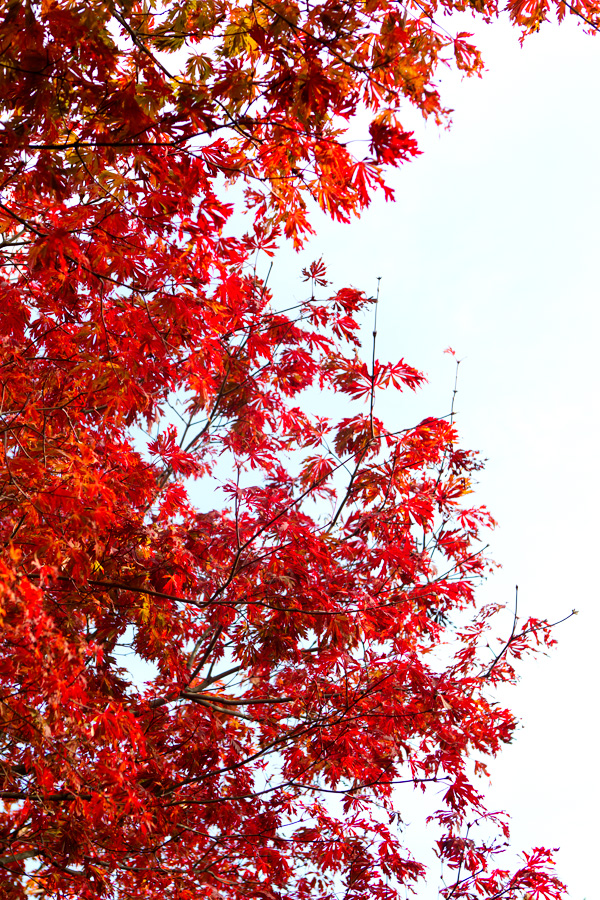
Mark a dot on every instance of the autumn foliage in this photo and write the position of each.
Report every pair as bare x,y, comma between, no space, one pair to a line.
221,613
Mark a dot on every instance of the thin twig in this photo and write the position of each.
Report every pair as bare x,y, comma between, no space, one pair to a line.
511,638
454,392
373,359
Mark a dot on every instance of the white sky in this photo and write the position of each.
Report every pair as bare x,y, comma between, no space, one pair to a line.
492,248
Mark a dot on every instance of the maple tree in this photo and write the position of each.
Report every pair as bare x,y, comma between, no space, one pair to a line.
166,492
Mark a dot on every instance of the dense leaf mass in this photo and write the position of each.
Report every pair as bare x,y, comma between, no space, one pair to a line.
168,496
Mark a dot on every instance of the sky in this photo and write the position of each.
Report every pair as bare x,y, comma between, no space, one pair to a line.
492,248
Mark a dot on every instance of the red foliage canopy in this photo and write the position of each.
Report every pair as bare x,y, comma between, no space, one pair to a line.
287,619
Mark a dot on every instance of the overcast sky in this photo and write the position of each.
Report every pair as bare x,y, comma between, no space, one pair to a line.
492,247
